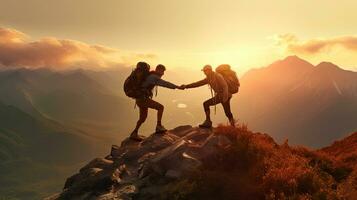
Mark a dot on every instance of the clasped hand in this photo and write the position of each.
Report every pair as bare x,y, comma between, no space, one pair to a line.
182,87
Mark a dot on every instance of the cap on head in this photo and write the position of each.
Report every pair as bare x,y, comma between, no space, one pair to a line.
160,67
207,68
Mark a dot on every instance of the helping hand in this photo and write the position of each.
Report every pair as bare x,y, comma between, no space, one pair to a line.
182,87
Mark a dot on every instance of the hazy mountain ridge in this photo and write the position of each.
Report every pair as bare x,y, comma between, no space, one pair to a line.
290,89
36,153
313,106
95,101
64,96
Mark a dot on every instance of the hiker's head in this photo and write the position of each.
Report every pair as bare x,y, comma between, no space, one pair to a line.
142,67
160,69
207,69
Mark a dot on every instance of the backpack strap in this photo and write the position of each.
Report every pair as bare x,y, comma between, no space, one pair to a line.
214,100
156,89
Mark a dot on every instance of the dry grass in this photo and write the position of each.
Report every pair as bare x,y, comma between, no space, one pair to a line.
255,167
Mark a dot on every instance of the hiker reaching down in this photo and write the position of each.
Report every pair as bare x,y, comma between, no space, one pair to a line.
224,83
143,98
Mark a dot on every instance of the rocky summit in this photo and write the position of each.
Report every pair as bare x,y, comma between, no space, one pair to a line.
224,162
131,168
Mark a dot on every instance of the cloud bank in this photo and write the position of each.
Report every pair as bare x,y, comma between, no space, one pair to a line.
314,46
18,50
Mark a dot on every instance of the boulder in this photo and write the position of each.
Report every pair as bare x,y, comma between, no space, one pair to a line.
81,183
140,170
181,130
98,163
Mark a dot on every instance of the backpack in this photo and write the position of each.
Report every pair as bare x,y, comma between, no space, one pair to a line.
230,76
132,84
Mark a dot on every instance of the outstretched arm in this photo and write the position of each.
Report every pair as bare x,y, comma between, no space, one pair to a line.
166,84
197,84
156,80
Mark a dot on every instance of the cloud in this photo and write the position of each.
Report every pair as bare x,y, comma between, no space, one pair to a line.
17,50
314,46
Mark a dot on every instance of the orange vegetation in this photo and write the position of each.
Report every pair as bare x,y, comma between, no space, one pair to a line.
255,167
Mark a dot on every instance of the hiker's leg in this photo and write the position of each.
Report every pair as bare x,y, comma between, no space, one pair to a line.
143,110
227,109
210,102
157,106
228,112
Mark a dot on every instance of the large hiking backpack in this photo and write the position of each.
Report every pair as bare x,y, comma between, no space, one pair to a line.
132,84
230,76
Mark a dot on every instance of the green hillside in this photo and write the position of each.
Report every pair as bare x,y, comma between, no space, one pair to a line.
36,154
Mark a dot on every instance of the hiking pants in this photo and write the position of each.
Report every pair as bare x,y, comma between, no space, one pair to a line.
216,100
144,105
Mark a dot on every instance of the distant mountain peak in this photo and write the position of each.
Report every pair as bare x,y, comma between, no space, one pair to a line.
327,66
292,62
292,57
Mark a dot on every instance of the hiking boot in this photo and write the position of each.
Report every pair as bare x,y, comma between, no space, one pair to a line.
160,129
134,136
206,124
232,122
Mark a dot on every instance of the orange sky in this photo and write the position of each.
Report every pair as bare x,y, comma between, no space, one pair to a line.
191,33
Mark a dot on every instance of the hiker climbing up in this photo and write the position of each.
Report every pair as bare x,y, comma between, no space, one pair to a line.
224,82
139,86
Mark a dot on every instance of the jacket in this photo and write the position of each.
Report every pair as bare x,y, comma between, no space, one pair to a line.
155,80
217,83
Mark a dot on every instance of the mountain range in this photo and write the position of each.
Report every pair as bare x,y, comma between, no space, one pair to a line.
52,121
292,99
36,152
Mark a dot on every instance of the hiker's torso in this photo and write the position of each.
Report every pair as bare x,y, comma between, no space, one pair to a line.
219,86
153,80
150,81
149,84
217,82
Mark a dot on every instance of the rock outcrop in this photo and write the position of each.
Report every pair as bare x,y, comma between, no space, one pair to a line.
225,162
140,169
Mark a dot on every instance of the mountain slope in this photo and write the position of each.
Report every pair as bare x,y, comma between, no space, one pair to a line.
71,97
36,153
292,99
225,163
94,101
344,150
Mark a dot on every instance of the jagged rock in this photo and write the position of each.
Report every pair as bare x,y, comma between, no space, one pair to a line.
146,157
116,151
79,177
98,163
84,182
139,170
173,174
162,163
127,192
159,141
181,130
197,137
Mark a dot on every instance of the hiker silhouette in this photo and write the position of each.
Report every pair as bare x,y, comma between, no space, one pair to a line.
139,86
223,83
